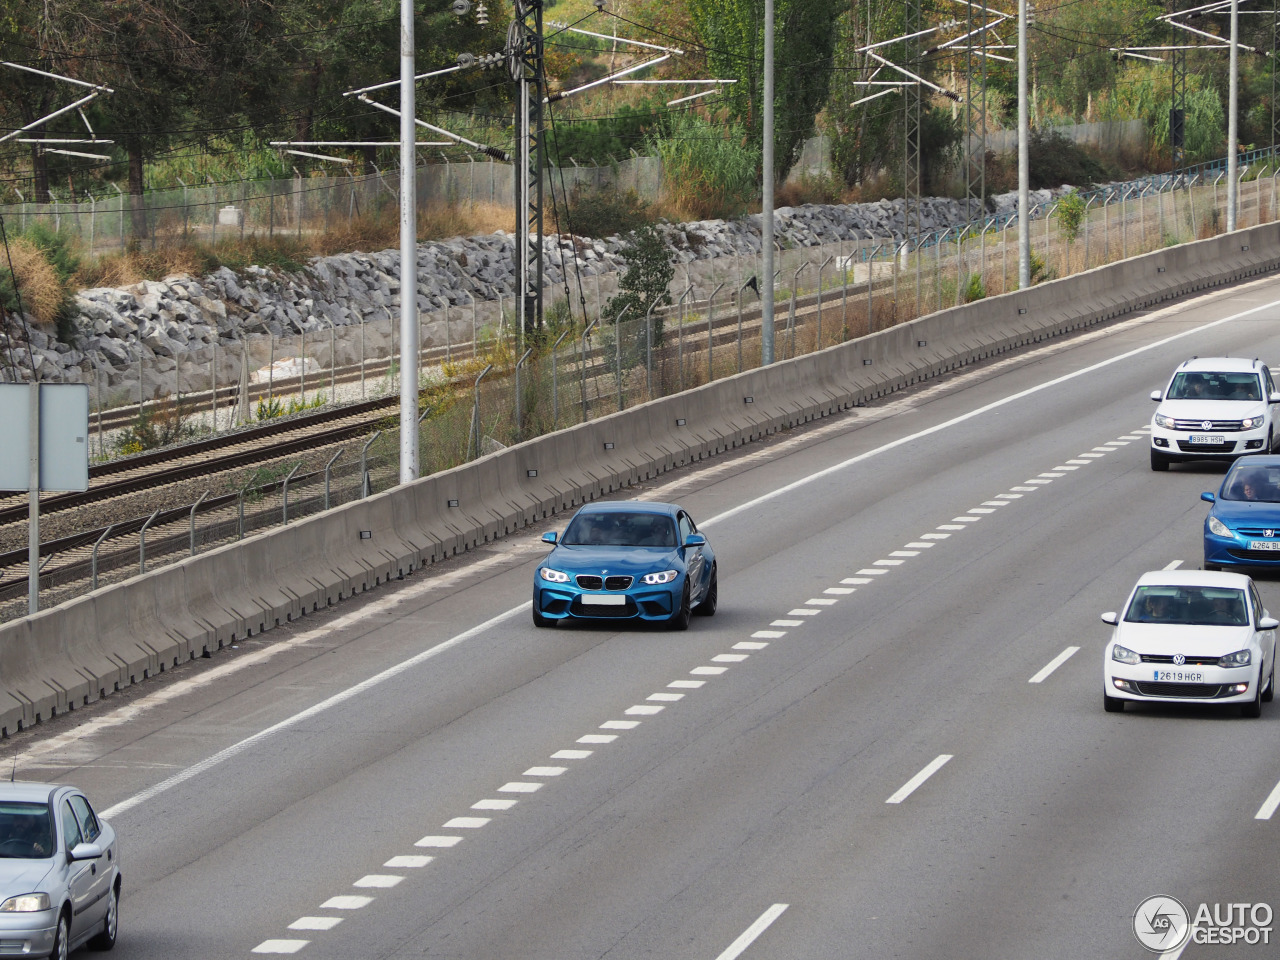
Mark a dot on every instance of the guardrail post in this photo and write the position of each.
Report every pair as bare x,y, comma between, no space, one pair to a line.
142,542
327,468
93,563
711,319
475,410
194,507
364,462
585,334
284,516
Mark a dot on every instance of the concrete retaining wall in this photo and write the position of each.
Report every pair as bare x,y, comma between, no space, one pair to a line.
74,654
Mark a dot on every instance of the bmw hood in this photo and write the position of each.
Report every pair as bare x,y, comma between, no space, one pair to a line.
22,876
1212,409
620,560
1167,639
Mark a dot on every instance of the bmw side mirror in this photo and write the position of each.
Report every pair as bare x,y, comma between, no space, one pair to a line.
84,851
1111,618
695,540
549,537
1157,396
1268,623
1208,497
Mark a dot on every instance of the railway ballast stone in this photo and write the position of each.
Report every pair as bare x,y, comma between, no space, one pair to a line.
174,324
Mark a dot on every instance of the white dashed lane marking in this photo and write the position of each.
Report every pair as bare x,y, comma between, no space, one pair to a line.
914,783
1053,665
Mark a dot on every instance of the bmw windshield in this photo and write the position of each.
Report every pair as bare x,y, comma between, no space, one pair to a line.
621,530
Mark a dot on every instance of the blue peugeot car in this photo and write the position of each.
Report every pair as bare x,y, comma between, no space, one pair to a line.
1243,525
627,560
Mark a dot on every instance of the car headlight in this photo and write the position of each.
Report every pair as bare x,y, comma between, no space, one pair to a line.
1218,528
666,576
1251,423
1125,655
1164,422
1241,658
27,903
553,576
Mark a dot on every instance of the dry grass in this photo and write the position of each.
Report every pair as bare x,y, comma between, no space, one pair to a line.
37,280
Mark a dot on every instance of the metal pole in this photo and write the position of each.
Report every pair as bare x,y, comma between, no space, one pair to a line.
142,542
475,412
680,333
327,468
285,509
364,465
333,362
33,497
585,334
93,563
870,293
766,197
519,395
821,267
194,507
408,252
711,319
213,387
648,351
240,510
1024,156
791,315
555,385
617,349
1233,104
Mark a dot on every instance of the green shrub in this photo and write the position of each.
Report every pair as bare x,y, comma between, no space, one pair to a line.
974,288
708,169
603,212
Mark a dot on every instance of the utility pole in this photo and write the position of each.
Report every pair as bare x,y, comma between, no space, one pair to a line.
1233,97
527,71
1024,157
766,197
408,253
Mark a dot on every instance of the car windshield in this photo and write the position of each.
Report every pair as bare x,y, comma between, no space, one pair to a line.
1204,606
621,530
1215,386
1252,483
25,831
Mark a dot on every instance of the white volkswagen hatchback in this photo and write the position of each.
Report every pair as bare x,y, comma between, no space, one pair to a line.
1214,408
1191,636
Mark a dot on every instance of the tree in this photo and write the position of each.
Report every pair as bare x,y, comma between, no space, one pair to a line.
804,44
645,286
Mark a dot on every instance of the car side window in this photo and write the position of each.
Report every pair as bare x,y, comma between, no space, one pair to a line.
686,526
70,827
1267,383
1257,602
84,816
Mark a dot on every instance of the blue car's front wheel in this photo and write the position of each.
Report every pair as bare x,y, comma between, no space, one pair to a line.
538,619
680,619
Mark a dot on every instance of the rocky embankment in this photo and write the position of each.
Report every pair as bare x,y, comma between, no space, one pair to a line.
180,332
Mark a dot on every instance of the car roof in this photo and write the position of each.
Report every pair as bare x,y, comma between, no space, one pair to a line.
1219,365
632,506
1194,578
24,791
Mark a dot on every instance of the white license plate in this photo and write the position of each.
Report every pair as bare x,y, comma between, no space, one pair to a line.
604,599
1178,676
1264,544
1207,438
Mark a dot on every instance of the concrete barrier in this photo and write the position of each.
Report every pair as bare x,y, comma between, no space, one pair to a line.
73,654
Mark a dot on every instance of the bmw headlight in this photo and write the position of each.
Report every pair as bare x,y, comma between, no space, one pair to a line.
27,903
1251,422
1218,528
1125,655
1164,422
553,576
665,576
1241,658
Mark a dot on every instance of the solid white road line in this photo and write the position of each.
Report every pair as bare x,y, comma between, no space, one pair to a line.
237,748
910,786
1054,664
749,935
1269,807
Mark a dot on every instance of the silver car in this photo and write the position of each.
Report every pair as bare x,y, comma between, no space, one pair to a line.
59,872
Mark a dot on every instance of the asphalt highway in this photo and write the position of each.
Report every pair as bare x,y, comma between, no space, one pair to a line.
888,743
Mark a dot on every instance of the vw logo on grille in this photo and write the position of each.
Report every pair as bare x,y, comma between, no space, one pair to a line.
1179,659
1206,425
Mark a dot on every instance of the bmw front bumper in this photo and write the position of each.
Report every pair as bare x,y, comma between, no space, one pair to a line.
569,602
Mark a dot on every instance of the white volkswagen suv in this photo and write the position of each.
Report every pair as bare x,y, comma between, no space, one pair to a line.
1215,408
